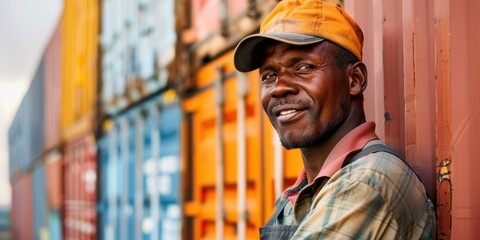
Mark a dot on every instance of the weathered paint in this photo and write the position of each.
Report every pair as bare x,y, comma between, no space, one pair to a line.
444,126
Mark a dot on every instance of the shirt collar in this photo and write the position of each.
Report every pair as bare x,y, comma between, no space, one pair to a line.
353,142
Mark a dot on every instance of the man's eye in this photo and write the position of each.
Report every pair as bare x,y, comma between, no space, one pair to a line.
269,77
305,68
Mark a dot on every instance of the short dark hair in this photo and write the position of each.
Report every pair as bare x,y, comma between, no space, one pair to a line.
344,57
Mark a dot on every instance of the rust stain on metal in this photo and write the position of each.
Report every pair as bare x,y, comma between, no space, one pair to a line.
444,203
443,123
443,171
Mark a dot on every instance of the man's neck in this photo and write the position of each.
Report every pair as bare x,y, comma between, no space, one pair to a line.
314,157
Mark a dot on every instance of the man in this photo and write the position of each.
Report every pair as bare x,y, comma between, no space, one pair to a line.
353,186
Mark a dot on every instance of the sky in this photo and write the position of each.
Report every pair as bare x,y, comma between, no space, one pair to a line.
25,29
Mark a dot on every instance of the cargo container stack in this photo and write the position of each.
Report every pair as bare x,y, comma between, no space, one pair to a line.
139,138
78,120
26,139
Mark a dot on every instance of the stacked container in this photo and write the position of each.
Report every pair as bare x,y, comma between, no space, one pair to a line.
26,136
79,48
139,171
140,140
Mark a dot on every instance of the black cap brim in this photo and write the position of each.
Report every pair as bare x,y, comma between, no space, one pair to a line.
248,55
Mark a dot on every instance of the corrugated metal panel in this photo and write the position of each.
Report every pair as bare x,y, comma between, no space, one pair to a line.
79,67
434,84
40,207
53,73
400,62
140,170
22,208
161,168
464,87
80,189
110,184
26,134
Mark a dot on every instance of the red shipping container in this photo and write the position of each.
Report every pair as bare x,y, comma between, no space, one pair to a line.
80,188
22,207
52,83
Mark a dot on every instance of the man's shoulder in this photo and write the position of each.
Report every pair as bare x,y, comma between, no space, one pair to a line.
377,169
391,178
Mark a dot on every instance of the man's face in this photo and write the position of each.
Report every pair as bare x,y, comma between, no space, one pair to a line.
304,93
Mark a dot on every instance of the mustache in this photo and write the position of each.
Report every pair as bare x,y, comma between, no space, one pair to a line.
284,101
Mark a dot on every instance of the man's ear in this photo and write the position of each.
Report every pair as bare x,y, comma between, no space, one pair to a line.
357,78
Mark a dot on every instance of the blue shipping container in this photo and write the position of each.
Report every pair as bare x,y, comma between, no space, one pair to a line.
140,165
25,136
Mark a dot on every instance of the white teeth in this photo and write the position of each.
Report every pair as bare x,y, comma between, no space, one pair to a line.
287,112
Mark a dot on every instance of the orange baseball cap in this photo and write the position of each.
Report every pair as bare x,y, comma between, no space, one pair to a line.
300,22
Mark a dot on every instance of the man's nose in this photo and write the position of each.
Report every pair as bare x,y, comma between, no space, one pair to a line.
284,85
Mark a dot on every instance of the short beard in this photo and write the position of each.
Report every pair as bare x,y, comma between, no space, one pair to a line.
323,135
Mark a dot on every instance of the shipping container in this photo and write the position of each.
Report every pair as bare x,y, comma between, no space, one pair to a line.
53,66
79,188
40,207
138,43
26,134
422,55
140,171
79,47
22,207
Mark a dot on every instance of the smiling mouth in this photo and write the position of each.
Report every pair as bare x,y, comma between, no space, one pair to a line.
286,112
289,116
